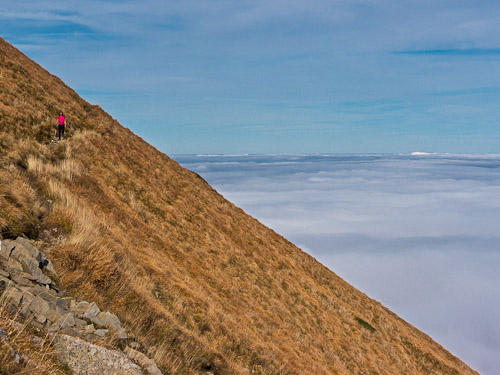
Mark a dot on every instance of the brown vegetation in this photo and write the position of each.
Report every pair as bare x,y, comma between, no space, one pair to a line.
22,350
198,282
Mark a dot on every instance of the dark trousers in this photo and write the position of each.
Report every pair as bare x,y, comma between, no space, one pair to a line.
61,131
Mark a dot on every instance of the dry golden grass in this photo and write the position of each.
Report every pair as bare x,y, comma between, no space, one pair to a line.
23,352
66,168
199,283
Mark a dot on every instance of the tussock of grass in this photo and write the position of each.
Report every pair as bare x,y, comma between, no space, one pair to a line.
66,168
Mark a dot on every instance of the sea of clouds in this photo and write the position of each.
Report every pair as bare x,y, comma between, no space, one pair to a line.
419,233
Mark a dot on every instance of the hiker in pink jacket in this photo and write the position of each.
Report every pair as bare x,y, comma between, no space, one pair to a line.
61,124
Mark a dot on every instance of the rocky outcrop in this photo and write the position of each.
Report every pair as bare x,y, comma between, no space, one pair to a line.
26,284
85,358
35,295
148,364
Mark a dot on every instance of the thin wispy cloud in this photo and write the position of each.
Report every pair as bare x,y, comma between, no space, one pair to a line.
453,52
54,30
37,15
483,91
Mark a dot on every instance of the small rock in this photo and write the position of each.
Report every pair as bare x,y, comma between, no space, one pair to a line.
40,318
97,321
26,304
43,279
37,289
101,332
111,321
92,311
21,280
135,345
44,263
14,294
80,323
63,305
66,320
6,248
24,242
27,255
50,297
53,316
79,308
39,307
90,328
68,331
26,258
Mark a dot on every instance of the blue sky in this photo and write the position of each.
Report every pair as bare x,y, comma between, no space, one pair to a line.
204,76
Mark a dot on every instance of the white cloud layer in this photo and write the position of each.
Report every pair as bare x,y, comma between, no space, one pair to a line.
418,233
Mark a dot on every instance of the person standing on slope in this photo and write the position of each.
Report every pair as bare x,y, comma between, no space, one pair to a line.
61,124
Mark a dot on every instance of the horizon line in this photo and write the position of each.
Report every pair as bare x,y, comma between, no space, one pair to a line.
414,153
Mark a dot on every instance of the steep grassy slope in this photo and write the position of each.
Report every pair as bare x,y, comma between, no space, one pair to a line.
200,283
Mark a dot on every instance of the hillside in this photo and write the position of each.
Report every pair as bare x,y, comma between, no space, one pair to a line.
200,284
